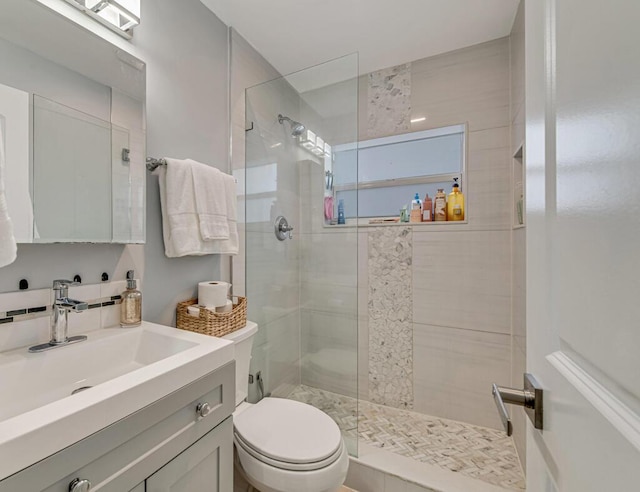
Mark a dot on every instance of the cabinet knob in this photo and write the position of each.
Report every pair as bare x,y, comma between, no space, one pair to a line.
80,485
203,409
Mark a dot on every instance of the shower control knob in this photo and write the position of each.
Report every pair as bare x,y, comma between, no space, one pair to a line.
282,228
80,485
203,409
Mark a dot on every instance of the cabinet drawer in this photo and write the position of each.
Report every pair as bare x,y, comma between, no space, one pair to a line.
122,455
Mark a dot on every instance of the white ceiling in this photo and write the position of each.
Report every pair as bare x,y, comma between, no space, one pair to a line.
296,34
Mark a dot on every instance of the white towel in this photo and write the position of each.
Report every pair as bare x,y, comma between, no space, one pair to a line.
8,248
182,217
211,203
230,246
180,222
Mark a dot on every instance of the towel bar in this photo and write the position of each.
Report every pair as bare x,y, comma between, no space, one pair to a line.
153,163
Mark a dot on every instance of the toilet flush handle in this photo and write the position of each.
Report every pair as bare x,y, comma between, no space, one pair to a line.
203,409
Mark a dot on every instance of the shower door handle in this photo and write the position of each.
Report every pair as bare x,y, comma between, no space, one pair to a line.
530,398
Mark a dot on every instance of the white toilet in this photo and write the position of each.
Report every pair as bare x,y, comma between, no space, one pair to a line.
283,445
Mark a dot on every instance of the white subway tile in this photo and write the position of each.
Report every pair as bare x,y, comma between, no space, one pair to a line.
24,299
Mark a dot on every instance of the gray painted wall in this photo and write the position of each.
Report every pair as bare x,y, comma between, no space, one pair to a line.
185,47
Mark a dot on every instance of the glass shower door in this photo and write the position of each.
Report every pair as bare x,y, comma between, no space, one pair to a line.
301,264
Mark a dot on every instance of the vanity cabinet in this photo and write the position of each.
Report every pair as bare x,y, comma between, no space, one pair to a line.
201,467
175,444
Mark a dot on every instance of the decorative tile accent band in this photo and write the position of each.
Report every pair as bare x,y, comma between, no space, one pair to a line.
389,101
390,306
24,314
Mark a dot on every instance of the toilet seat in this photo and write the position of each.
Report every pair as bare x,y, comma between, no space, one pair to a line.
288,435
284,465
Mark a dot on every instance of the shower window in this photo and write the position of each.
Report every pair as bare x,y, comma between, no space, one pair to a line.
391,170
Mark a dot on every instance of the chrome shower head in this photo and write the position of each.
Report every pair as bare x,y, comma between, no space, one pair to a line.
297,128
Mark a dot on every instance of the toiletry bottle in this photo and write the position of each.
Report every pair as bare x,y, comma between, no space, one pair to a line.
341,212
427,209
440,206
455,203
131,308
404,214
416,209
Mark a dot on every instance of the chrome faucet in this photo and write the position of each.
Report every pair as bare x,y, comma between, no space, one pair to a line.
60,309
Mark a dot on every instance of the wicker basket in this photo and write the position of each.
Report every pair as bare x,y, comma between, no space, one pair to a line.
210,322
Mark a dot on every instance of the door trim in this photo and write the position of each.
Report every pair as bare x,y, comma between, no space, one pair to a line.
615,411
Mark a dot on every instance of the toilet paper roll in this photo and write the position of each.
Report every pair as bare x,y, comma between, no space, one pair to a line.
213,294
194,310
227,308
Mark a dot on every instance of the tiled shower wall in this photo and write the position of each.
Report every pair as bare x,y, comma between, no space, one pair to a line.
390,316
460,281
389,101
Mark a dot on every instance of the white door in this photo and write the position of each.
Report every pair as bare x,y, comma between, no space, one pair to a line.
583,243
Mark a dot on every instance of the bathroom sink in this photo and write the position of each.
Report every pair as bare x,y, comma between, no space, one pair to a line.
52,399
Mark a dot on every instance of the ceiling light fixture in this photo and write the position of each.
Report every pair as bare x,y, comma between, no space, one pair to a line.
418,120
111,13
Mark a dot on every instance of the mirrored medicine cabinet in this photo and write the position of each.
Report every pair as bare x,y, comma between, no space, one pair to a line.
72,125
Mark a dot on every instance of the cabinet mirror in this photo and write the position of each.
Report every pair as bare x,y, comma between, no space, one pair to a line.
72,126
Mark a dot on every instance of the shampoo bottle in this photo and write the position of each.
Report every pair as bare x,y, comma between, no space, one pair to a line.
341,219
427,209
440,206
131,307
416,209
455,203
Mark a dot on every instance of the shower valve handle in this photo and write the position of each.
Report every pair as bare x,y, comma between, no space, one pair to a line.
283,229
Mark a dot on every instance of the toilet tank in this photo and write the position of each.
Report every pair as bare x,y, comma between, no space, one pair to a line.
243,342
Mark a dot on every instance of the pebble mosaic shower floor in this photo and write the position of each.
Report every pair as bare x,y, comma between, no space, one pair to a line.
474,451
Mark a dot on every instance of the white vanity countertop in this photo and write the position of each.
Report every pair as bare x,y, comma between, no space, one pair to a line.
129,368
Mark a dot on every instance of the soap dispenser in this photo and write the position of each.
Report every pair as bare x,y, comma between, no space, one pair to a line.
455,203
131,308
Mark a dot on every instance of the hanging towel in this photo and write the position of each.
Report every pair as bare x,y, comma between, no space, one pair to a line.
180,220
211,203
8,248
180,209
230,246
328,207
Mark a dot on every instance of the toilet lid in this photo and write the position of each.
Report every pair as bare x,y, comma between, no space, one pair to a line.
288,431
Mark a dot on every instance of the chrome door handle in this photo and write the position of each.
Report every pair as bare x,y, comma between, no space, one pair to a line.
502,410
530,398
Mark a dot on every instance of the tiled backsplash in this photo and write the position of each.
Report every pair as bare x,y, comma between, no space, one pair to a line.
25,315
